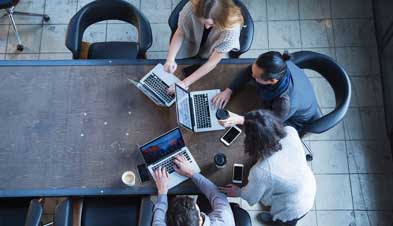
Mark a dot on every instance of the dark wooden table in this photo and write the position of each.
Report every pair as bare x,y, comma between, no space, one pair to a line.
72,127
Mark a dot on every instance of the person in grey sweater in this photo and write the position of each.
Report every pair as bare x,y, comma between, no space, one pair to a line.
281,178
183,211
282,88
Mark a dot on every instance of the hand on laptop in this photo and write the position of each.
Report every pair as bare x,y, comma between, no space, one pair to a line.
234,119
171,89
161,178
221,100
170,66
182,166
231,190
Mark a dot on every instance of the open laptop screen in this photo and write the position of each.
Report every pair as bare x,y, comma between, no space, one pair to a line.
183,107
162,146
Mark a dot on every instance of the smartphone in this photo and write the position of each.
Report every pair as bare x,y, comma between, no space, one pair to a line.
143,173
237,173
230,135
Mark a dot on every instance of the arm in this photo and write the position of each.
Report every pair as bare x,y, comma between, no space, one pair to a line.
221,99
175,45
161,178
281,107
216,198
160,211
221,210
177,40
258,181
214,59
241,79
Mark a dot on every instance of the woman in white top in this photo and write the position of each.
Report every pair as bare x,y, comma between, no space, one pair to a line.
206,29
281,178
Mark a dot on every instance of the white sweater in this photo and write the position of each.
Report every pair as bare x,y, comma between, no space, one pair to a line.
283,181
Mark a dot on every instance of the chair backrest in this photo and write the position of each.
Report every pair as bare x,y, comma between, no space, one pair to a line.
63,213
34,213
119,211
246,35
242,218
100,10
338,80
20,211
6,4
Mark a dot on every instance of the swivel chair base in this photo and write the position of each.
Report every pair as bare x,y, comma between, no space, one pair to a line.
10,13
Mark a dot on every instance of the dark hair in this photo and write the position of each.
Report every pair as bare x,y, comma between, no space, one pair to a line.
182,211
274,64
263,134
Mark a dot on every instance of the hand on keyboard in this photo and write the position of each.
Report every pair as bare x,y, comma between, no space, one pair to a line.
161,178
183,166
171,89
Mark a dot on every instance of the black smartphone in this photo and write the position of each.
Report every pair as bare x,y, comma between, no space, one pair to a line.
237,173
230,135
143,173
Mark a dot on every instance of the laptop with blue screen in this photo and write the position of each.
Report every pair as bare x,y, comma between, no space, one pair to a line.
162,150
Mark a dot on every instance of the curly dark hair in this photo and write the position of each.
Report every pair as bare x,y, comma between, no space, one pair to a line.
182,211
263,134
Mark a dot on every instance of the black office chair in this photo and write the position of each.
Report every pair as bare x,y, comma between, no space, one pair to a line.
101,10
9,6
246,35
103,211
338,80
63,213
20,212
242,218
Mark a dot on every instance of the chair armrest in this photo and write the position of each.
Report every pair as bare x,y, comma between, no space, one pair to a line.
63,213
34,213
145,35
146,212
326,122
73,39
242,218
174,17
246,33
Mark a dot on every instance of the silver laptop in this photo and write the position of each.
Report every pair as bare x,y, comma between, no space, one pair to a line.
161,152
154,85
195,111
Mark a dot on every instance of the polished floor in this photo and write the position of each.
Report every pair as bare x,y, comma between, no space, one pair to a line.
352,162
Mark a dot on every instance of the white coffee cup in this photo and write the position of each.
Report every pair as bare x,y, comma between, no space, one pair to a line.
128,178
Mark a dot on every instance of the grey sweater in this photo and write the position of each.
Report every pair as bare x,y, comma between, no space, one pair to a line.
220,216
283,181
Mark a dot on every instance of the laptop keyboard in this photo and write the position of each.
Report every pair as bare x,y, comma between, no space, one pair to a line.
168,163
159,86
202,113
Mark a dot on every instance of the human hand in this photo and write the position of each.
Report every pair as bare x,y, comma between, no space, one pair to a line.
161,178
231,190
234,119
170,66
221,100
183,166
171,89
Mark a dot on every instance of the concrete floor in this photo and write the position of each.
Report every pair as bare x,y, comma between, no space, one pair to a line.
352,162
